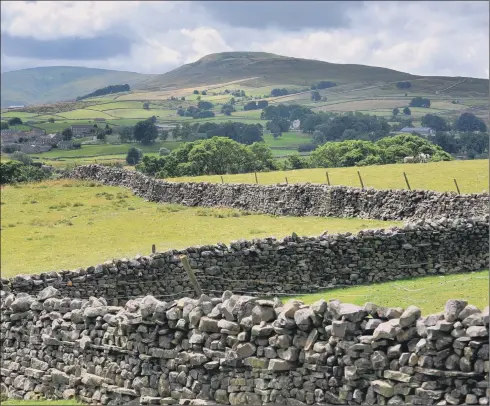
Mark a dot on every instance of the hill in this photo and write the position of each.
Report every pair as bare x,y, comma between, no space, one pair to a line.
269,69
59,83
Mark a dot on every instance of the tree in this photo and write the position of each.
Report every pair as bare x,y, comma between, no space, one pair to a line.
50,120
14,121
126,134
403,85
196,92
396,111
205,105
262,104
181,112
227,109
407,111
232,101
295,162
420,102
164,135
101,135
435,122
279,92
153,119
67,134
315,96
252,105
204,93
468,122
145,132
205,114
4,125
21,157
134,156
146,106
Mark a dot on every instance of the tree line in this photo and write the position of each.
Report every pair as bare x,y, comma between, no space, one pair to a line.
106,90
222,155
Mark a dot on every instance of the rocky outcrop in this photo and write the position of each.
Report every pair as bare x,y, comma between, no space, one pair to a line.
271,267
241,350
296,199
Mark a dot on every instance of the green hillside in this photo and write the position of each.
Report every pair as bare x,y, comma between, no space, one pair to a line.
59,83
264,69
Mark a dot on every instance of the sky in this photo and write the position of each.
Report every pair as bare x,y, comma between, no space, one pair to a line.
440,38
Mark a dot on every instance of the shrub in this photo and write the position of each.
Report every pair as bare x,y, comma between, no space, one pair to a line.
306,147
16,172
21,157
163,151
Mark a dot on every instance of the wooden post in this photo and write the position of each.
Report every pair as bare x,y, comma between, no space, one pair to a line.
153,249
406,180
328,178
457,187
256,180
360,179
222,181
190,274
287,183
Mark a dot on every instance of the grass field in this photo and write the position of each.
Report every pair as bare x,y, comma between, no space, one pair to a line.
429,293
67,224
107,149
472,176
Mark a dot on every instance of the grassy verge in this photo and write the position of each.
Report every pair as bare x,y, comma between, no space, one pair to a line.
429,293
472,176
66,224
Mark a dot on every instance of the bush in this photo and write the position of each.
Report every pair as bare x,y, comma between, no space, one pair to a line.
21,157
9,148
163,151
306,147
16,172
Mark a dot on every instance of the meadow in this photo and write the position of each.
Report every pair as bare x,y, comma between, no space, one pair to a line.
472,176
429,293
66,224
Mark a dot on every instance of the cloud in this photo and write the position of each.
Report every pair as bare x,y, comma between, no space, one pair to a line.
425,38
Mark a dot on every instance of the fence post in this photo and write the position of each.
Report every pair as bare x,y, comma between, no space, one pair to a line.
191,275
328,178
256,180
287,183
360,179
457,187
222,181
153,249
406,180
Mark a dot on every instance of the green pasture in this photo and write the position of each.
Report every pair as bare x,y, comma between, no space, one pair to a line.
429,293
67,224
472,176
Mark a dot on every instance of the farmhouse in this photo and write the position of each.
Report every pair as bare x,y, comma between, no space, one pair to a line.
81,130
427,131
50,139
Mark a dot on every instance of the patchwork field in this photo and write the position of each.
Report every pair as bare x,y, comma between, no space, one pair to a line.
472,176
58,225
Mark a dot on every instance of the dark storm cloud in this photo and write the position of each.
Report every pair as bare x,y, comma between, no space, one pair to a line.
66,48
288,15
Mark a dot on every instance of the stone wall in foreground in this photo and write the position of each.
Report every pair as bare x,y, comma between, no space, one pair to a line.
241,350
296,199
270,267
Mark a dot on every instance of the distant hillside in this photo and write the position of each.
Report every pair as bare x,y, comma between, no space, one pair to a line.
59,83
270,69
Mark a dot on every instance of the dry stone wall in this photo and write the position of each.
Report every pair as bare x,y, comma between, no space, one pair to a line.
270,267
294,200
241,350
